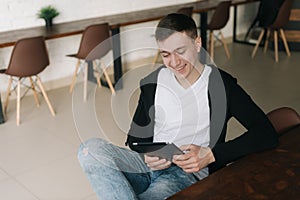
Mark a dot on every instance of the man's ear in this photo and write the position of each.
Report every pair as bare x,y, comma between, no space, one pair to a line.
198,43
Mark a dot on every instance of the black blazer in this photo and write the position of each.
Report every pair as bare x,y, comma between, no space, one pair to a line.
226,99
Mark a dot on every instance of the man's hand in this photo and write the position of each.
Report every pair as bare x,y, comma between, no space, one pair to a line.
195,159
155,163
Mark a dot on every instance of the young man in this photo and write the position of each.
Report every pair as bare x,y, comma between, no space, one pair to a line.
181,102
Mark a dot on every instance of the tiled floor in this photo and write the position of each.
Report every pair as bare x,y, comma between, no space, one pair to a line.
38,159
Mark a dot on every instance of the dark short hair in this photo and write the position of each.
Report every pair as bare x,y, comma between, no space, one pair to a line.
175,22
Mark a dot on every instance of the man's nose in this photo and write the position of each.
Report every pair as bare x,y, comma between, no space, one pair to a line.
174,59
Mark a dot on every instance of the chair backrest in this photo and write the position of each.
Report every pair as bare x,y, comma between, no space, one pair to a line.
29,57
93,36
283,15
220,16
283,119
188,11
268,11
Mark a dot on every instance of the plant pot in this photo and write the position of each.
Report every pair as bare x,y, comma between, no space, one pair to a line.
48,22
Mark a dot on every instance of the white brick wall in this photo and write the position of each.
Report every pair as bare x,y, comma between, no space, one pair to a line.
17,14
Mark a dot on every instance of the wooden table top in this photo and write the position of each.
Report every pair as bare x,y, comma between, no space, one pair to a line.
273,174
9,38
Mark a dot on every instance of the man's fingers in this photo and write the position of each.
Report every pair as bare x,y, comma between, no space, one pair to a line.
160,164
181,157
157,163
149,159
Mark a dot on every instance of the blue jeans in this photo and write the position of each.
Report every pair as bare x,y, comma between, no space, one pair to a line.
120,173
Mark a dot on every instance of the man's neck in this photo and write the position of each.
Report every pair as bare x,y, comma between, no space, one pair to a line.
192,77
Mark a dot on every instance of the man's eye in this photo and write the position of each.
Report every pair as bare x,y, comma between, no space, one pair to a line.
165,55
180,51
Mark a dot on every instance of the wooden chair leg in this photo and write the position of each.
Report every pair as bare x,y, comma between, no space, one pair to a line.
285,42
258,42
267,41
34,92
18,102
98,80
85,80
211,45
45,95
74,76
276,45
111,87
225,45
7,94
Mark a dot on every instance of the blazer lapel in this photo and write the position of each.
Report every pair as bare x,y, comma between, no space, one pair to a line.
218,105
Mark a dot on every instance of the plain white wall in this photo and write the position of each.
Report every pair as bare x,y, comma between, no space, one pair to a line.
18,14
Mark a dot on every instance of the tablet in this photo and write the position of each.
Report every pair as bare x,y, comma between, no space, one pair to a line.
160,149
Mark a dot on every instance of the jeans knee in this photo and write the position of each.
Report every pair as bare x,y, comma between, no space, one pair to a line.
93,148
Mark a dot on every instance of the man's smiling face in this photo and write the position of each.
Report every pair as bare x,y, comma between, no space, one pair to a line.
180,53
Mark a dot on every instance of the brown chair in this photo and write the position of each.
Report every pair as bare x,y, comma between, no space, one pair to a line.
29,58
217,22
188,11
93,36
283,119
278,25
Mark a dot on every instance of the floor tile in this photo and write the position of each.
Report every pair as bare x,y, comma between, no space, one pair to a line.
12,190
30,150
60,180
3,175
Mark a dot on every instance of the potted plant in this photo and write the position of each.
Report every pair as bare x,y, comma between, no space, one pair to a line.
48,13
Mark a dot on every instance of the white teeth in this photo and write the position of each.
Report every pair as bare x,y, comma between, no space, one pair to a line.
178,69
